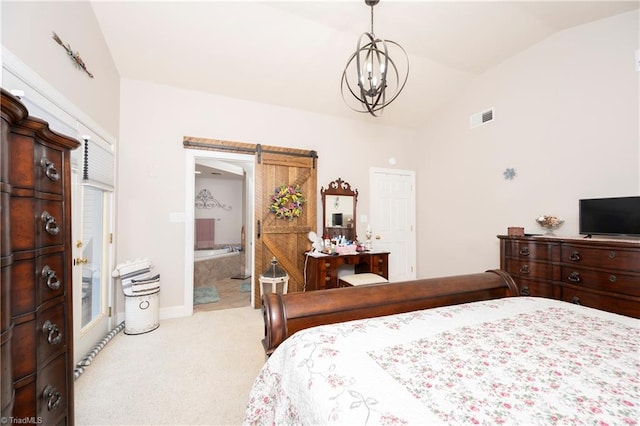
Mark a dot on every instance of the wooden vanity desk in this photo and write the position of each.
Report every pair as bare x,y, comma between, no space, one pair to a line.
321,270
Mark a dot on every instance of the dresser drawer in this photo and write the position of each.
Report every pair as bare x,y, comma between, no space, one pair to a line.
529,269
49,223
22,161
23,235
49,277
605,281
49,170
52,392
607,302
606,258
36,221
529,250
23,294
23,348
51,332
537,288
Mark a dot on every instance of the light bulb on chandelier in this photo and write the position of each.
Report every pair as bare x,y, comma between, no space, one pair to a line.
378,77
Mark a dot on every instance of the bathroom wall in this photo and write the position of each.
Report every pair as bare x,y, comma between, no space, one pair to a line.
228,192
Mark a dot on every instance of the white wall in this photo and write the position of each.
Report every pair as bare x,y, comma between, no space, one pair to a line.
228,192
566,118
151,169
27,29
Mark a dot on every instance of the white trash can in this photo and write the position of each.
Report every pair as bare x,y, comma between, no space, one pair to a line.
141,306
142,294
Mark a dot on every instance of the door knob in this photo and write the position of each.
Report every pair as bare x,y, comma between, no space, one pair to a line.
80,261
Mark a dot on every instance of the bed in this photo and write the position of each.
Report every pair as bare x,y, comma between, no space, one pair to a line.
497,360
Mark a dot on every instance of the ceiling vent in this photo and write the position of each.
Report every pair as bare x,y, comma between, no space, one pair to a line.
481,118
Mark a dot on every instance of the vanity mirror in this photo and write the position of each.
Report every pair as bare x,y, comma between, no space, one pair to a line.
339,210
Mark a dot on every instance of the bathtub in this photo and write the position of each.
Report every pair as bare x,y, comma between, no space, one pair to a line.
214,265
199,255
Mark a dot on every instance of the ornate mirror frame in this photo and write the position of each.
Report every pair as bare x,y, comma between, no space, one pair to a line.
339,210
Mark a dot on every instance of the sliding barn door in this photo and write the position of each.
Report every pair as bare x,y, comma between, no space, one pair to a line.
284,239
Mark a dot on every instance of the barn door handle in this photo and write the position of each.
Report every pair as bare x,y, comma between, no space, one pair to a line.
259,230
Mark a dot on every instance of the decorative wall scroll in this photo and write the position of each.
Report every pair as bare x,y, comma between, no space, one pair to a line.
206,200
75,57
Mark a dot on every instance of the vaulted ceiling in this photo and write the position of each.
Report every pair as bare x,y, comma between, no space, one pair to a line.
292,53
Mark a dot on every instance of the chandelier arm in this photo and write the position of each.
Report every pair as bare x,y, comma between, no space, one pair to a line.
345,80
406,76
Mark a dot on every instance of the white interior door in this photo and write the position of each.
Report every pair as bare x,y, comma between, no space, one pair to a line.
92,259
392,219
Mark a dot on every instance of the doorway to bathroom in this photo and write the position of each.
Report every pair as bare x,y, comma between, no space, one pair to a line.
274,168
222,215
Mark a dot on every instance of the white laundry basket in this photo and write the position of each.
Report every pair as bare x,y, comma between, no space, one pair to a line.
141,293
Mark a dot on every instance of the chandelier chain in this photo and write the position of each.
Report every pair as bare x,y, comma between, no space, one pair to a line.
372,33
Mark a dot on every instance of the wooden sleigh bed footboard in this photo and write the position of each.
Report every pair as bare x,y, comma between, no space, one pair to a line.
285,314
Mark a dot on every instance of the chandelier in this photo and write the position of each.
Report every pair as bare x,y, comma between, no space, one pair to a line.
378,77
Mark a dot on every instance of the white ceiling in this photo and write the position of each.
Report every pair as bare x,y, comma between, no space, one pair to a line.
292,53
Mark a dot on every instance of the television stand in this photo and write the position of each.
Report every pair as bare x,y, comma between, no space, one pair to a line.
602,274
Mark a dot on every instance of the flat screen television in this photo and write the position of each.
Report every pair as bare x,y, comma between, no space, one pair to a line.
610,216
337,219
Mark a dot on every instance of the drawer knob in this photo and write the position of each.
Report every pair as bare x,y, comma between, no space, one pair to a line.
327,279
50,169
574,277
52,279
576,300
575,256
54,336
327,265
613,278
612,255
524,291
50,223
53,397
524,269
524,251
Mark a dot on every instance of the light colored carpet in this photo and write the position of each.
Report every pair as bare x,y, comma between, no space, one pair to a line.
196,370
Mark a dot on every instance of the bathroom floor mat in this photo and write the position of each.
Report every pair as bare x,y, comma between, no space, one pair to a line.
202,295
245,287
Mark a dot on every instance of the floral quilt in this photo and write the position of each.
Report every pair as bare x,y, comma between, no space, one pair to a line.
515,361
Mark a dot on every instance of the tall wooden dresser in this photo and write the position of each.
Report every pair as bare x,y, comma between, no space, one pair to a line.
599,273
36,308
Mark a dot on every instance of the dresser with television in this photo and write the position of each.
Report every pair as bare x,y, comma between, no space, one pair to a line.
596,272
